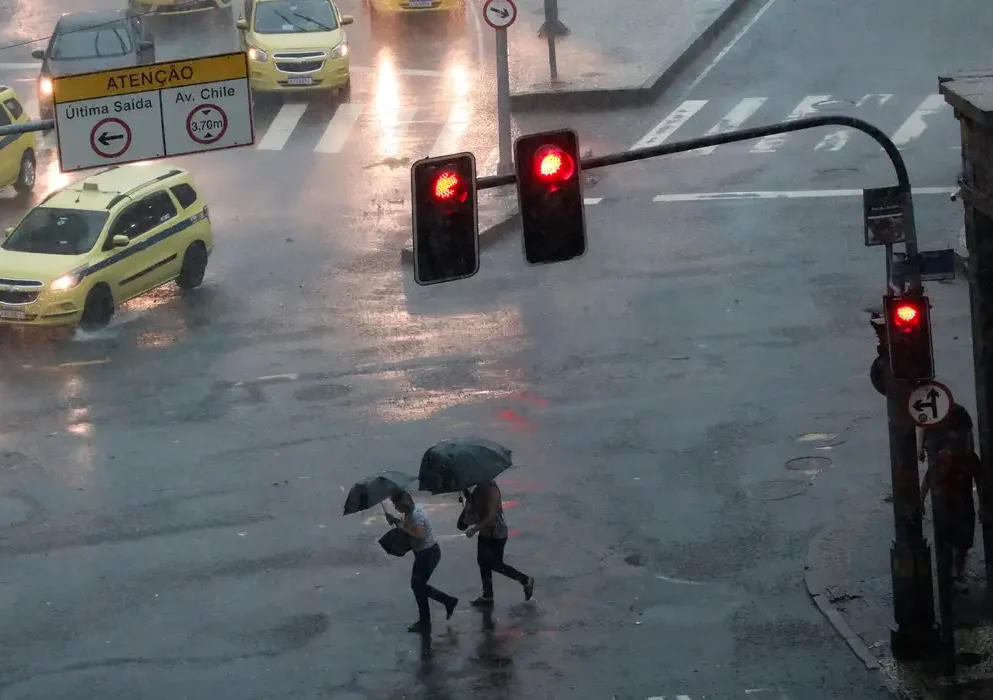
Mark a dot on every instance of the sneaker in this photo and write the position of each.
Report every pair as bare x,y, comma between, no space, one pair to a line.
450,608
482,602
529,588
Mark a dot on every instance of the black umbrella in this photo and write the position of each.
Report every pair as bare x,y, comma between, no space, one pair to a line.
460,463
376,489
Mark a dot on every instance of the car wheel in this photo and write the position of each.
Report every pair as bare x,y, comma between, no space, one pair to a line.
27,174
98,308
194,267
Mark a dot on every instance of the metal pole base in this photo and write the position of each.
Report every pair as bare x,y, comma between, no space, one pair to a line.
555,28
915,634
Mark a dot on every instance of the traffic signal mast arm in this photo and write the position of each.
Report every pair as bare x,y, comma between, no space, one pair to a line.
902,176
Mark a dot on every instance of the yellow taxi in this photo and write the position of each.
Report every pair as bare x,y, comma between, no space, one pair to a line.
100,241
18,161
296,46
183,7
394,7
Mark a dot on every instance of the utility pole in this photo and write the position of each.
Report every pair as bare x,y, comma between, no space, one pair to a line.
972,99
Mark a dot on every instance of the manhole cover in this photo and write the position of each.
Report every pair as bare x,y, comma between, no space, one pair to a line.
321,392
776,490
803,464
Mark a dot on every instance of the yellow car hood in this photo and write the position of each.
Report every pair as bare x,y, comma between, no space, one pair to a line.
36,266
297,41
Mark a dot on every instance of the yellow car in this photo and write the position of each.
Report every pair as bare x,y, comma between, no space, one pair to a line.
100,241
183,7
17,152
296,46
393,7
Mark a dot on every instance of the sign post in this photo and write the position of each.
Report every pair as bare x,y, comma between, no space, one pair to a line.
154,111
500,14
550,29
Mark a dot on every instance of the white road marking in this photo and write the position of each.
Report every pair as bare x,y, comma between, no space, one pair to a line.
279,377
340,126
784,194
21,66
589,201
668,126
733,120
882,98
915,124
724,52
282,126
806,108
451,132
837,140
478,28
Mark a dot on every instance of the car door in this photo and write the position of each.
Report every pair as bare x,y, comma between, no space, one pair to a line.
145,262
10,159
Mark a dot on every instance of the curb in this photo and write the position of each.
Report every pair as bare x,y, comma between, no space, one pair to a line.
644,94
487,237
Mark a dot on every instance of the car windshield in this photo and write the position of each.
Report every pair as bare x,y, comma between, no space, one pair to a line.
290,16
98,42
53,231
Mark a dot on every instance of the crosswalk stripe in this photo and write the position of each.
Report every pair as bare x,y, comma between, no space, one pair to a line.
393,125
733,120
807,107
915,124
340,126
451,132
836,140
668,126
282,126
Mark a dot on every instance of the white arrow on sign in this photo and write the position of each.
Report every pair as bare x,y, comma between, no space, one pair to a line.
500,14
930,403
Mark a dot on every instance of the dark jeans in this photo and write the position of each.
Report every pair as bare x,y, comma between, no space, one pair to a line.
425,562
489,556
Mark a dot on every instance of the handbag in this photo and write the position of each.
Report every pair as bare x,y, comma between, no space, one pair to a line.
396,542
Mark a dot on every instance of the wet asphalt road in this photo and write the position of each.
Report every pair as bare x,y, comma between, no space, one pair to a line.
171,487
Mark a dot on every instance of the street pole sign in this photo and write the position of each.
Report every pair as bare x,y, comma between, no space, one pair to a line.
155,111
929,404
884,215
500,14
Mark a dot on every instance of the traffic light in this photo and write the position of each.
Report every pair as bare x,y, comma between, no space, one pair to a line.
908,335
550,193
445,218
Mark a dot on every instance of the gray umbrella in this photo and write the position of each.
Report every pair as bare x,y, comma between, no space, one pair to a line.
460,463
376,489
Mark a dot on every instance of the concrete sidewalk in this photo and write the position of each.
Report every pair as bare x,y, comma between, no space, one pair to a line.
619,53
848,566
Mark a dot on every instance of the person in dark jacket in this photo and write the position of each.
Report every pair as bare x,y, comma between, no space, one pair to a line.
484,512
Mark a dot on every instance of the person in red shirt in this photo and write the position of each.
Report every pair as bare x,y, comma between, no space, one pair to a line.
958,469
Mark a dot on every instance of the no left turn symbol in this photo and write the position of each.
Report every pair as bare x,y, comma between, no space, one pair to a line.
110,137
206,124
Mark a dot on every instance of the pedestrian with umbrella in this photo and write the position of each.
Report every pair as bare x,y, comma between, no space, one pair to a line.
416,526
460,464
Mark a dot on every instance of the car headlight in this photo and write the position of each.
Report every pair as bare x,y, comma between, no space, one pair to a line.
258,55
340,51
45,86
69,280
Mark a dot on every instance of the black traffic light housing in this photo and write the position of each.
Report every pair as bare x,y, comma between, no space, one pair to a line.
445,218
550,194
908,337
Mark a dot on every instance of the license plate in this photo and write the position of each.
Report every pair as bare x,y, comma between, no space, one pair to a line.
420,3
300,81
12,315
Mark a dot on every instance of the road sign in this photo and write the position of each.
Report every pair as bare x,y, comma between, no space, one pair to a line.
110,137
930,403
883,213
500,14
154,111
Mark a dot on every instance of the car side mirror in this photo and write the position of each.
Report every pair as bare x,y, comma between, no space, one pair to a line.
241,24
7,232
38,53
146,45
120,241
346,19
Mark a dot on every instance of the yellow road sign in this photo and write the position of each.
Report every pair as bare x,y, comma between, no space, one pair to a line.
156,76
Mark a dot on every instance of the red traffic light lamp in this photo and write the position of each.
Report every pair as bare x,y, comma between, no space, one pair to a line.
448,186
906,316
552,164
908,337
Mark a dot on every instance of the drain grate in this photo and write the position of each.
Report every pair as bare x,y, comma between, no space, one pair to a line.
802,464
